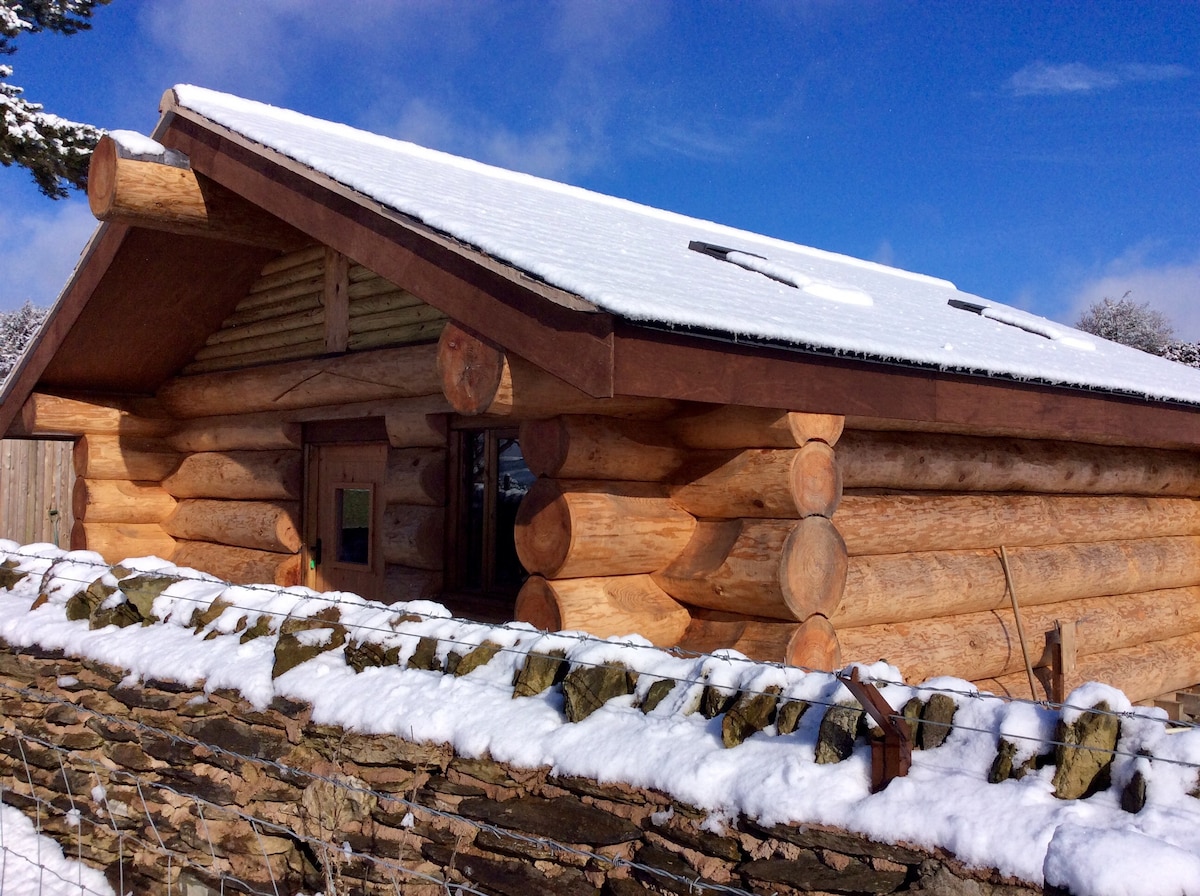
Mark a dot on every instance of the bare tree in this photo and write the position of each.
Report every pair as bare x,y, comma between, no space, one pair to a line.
1129,323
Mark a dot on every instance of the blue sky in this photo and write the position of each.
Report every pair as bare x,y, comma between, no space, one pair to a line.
1040,154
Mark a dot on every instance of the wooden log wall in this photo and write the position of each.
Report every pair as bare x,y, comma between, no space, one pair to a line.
647,515
1104,539
238,489
119,460
785,537
311,302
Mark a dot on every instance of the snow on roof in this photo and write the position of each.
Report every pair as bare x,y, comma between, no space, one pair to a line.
660,268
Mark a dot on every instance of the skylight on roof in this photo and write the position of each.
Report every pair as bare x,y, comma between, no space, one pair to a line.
821,289
1030,323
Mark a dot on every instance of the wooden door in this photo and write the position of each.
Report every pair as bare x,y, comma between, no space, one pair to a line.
343,519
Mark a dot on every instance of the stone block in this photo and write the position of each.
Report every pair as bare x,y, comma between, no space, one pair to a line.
561,817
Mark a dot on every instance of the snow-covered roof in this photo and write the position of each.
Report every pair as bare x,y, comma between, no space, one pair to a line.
660,268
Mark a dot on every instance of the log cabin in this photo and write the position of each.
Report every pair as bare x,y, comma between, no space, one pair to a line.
298,353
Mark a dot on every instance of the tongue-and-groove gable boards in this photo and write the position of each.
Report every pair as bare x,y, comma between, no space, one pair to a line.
311,302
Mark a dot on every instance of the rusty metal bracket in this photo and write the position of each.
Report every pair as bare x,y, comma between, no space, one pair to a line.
891,755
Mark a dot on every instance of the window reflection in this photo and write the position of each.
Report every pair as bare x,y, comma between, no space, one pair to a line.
354,525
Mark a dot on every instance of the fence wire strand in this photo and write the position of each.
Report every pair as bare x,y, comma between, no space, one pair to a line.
394,868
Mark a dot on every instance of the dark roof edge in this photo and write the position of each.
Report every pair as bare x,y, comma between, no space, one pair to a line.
100,250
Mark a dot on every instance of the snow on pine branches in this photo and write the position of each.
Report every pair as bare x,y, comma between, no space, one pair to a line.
54,150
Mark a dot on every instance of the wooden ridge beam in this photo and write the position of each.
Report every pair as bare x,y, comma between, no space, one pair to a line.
163,193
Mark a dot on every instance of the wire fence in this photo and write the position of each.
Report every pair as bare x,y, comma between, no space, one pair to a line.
77,814
335,599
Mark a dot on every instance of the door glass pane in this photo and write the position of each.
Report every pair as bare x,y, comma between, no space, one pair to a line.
353,525
512,482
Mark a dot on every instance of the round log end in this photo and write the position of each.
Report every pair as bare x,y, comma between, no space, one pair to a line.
814,645
825,428
543,529
537,605
471,370
816,480
813,571
544,444
102,178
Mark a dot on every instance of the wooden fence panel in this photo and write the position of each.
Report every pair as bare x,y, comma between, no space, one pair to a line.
36,479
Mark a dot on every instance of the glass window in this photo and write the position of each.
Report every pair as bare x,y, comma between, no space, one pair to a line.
494,478
353,525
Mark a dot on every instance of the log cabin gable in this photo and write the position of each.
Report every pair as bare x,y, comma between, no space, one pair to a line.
314,302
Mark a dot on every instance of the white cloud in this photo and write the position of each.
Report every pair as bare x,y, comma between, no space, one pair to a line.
41,249
1172,288
1042,78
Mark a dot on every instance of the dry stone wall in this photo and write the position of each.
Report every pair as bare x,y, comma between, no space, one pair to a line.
159,784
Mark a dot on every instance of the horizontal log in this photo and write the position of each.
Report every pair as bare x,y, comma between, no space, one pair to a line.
248,432
771,483
241,566
413,535
416,476
393,318
310,335
52,415
308,268
811,644
404,583
1014,426
291,260
421,404
778,569
604,607
896,588
237,475
1143,672
362,291
261,525
178,200
124,458
986,645
121,541
903,523
576,528
370,376
417,429
480,378
408,334
586,447
738,426
936,462
120,501
291,301
293,320
280,355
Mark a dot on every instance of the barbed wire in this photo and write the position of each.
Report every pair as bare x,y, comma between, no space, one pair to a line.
275,827
331,599
349,787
